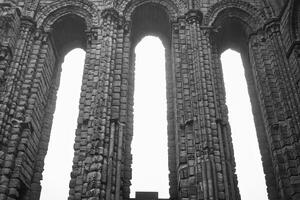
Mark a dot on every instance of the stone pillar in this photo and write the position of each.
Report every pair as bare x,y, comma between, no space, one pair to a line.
10,123
286,124
206,168
9,27
217,145
117,158
88,148
267,94
98,165
42,76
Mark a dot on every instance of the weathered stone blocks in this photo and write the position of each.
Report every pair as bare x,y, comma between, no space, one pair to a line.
34,39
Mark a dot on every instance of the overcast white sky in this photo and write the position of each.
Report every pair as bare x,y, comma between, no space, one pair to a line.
149,146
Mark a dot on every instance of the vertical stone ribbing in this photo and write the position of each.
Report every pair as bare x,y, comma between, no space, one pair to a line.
103,160
171,118
36,77
220,148
201,160
126,106
267,95
11,127
199,134
88,152
178,42
287,125
10,25
111,20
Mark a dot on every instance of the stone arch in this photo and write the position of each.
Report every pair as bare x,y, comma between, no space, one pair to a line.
54,45
153,17
84,9
85,12
234,25
243,11
156,24
170,8
241,16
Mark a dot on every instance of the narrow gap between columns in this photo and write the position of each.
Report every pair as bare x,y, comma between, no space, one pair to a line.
249,169
58,161
149,145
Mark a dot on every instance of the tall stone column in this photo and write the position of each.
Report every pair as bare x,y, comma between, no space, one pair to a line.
206,168
218,147
266,114
286,124
98,165
88,150
9,28
11,123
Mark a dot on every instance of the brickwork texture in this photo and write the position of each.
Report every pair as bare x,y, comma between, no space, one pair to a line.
35,35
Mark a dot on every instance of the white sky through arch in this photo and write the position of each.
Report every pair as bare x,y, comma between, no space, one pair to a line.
149,145
246,151
57,170
58,161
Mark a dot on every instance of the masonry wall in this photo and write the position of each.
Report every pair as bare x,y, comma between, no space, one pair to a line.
35,35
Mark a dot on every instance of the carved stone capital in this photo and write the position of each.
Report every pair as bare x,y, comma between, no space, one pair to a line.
272,26
193,16
28,23
257,39
110,13
113,15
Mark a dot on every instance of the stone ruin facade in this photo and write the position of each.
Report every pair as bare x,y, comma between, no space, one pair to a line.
36,34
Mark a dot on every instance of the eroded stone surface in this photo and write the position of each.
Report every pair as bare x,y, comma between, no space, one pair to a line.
35,35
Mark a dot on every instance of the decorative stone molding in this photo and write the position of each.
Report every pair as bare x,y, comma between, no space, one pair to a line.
193,16
201,160
110,13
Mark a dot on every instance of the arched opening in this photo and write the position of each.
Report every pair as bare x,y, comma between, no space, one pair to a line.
58,162
152,19
249,169
149,145
233,33
67,33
